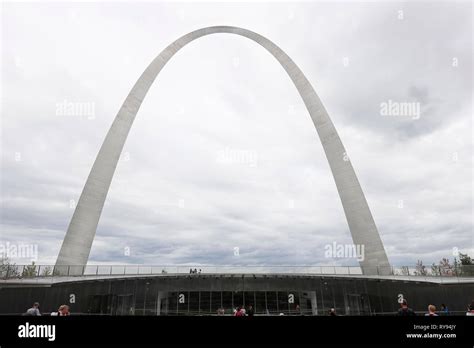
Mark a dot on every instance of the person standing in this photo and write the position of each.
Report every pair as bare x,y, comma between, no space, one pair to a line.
444,309
63,311
470,309
431,311
405,310
250,311
297,310
239,312
34,311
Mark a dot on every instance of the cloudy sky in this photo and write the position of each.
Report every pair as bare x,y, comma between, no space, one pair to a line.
223,153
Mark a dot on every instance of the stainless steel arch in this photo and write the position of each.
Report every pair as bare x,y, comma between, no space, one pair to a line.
77,243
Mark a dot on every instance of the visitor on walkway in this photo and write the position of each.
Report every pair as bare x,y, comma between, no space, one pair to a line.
63,311
470,309
431,311
250,311
297,310
238,312
34,311
405,310
444,309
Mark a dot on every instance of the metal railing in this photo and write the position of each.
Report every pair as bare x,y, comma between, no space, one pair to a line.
13,271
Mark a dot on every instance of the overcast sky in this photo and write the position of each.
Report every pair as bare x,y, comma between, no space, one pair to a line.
223,153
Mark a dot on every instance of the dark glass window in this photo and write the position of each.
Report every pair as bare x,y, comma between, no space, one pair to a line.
205,302
293,299
216,301
260,305
283,306
249,298
193,302
272,302
238,298
183,296
227,302
172,303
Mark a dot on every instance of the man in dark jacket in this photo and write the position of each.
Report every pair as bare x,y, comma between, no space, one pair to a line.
250,311
405,310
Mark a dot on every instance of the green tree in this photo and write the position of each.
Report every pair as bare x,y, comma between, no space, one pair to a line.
435,271
404,270
420,268
29,271
46,271
8,269
465,265
446,269
465,259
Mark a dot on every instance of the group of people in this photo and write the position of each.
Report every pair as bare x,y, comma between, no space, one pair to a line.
407,311
194,271
62,311
240,311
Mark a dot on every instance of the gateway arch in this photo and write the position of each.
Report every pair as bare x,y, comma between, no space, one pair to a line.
77,243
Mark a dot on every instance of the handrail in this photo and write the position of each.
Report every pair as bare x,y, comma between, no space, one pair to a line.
13,271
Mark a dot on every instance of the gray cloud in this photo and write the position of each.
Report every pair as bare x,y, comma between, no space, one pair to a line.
173,199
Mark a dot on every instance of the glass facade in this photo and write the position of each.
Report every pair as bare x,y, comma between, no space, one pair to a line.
221,295
209,303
